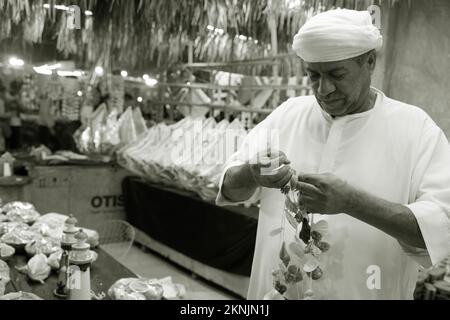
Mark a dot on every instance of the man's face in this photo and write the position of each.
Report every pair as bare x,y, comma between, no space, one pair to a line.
340,87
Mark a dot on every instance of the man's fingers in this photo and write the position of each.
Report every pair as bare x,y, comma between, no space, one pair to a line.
278,180
284,159
282,182
311,178
281,172
308,203
272,158
264,162
307,189
273,163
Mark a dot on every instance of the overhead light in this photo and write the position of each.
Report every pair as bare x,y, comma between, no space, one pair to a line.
61,7
293,4
80,93
64,8
139,99
99,70
43,70
88,13
151,82
63,73
16,62
46,69
242,37
145,77
216,30
123,73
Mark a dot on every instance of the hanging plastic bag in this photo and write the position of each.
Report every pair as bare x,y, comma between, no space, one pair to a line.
127,130
110,139
139,122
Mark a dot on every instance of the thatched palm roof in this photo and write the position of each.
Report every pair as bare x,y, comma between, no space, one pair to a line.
136,33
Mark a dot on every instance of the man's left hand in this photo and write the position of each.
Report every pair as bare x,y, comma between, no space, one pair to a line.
324,193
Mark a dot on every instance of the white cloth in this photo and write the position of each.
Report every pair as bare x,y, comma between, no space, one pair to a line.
395,152
336,35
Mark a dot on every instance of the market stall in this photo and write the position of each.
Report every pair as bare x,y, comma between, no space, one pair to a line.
128,111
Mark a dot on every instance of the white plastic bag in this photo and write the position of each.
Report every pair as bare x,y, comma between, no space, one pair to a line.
38,268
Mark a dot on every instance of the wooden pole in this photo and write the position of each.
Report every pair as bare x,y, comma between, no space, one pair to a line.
274,43
191,52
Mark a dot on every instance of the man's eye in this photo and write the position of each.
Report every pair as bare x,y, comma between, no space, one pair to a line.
338,76
314,76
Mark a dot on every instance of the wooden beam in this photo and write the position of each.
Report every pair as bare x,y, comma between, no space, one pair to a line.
220,87
264,60
213,106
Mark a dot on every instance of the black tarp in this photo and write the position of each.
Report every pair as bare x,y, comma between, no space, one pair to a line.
221,237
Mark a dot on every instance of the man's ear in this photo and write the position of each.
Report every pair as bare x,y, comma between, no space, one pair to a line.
371,61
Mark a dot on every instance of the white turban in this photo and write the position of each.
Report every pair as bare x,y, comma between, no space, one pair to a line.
337,35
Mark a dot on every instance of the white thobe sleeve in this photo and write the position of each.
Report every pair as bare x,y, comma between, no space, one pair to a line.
248,149
258,139
222,201
431,206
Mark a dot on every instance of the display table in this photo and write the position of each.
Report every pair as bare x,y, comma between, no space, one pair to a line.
104,272
215,242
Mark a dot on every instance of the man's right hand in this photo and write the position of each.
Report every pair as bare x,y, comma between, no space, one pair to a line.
270,169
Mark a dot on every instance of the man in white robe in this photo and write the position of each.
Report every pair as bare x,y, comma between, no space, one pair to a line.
375,169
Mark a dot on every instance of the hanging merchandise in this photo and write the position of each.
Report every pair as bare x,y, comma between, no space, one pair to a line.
70,100
127,131
139,122
28,94
193,96
106,132
116,89
88,138
110,133
217,47
34,27
299,259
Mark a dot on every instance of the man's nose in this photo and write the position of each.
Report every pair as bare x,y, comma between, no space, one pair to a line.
325,87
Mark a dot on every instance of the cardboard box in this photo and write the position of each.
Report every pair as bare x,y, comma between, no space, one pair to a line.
93,194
